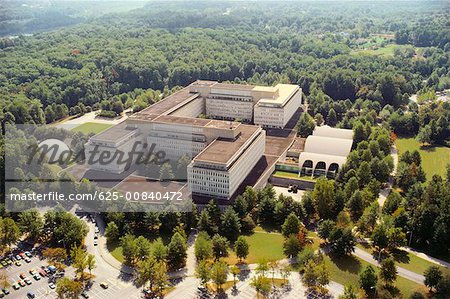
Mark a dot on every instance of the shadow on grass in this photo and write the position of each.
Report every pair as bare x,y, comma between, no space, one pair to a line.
347,263
401,256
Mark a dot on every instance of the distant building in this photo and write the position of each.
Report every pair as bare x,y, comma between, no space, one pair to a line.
325,152
223,151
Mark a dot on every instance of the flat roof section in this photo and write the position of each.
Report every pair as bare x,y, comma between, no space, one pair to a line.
222,150
168,102
114,133
286,91
234,86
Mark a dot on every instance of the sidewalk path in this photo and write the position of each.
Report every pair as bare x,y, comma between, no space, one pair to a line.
385,191
426,256
413,276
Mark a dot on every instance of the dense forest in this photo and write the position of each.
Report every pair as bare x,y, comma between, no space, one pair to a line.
166,45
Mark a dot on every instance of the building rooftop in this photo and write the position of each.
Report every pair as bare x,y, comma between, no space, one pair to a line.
164,106
114,134
285,93
222,150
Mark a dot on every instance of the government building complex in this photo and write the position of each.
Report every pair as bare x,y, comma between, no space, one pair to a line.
223,147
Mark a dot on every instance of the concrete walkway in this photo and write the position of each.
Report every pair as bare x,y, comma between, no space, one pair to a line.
413,276
426,256
385,191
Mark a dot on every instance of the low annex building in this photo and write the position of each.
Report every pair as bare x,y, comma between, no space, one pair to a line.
325,152
223,151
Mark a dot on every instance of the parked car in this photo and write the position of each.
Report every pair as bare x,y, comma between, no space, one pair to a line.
27,281
96,230
28,254
51,285
22,275
84,295
18,257
21,283
32,271
95,242
42,272
36,277
52,269
18,263
96,236
16,286
27,259
22,254
5,291
104,285
31,295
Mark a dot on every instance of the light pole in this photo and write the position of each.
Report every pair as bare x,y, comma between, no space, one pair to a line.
375,291
410,238
379,255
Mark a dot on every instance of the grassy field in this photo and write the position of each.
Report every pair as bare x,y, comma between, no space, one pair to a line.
434,158
263,245
91,127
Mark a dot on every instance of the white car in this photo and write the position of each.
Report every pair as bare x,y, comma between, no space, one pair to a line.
51,285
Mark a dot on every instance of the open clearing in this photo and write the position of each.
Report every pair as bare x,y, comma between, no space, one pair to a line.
434,158
91,127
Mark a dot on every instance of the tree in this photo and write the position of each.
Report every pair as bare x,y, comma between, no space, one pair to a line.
325,227
65,287
379,237
176,251
231,226
388,271
424,135
323,197
203,271
219,246
166,173
291,246
111,232
203,247
235,272
432,276
443,287
291,225
129,248
161,278
368,279
310,274
350,292
261,284
90,262
31,222
332,118
219,273
205,223
159,251
305,125
342,242
55,255
79,260
9,233
241,248
4,283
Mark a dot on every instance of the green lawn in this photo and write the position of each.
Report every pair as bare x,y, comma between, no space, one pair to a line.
91,127
116,251
346,271
292,175
263,245
434,158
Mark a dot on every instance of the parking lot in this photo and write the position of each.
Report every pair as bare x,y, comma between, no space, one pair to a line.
39,287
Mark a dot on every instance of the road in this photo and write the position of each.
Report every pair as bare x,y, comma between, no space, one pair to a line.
385,191
413,276
120,284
